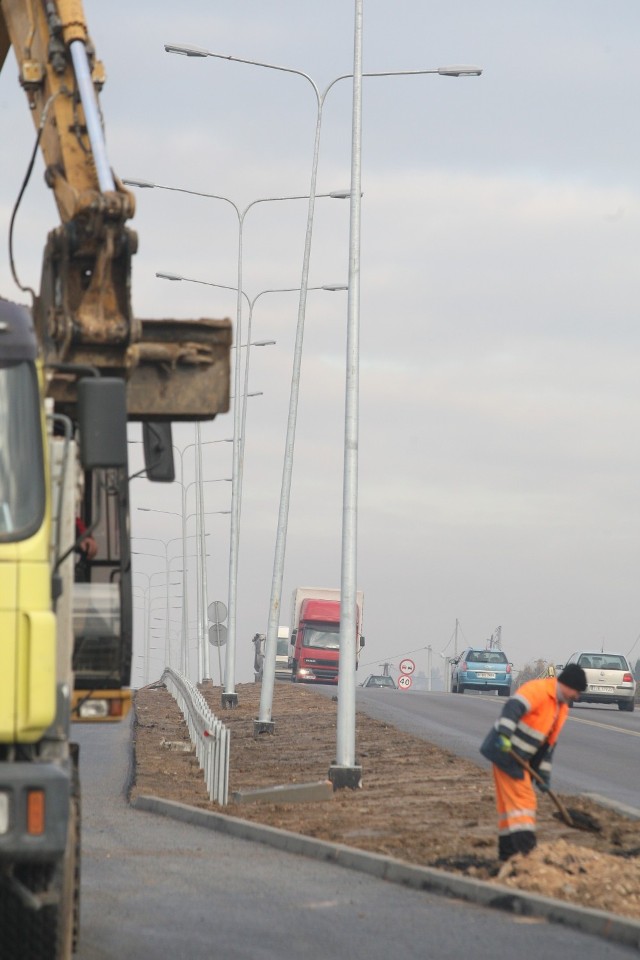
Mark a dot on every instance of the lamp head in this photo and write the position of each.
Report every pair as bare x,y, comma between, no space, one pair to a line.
185,50
144,184
460,71
168,276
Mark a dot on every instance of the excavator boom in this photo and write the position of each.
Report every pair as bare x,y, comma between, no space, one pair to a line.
175,369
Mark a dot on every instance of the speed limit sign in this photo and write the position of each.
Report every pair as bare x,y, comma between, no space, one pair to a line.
404,682
407,667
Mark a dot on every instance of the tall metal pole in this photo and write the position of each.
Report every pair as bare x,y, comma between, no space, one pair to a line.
199,622
345,773
229,695
268,679
206,672
276,591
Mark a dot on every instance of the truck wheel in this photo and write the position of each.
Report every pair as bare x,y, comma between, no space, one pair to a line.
46,933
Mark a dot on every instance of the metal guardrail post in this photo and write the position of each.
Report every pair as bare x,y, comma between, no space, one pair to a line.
207,733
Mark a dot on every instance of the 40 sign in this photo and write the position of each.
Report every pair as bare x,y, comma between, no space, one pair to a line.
404,682
407,667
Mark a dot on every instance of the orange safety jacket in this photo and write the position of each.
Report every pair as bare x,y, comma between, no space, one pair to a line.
532,720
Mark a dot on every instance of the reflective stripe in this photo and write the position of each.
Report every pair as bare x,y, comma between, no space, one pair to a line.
530,731
523,700
510,814
505,724
505,831
523,746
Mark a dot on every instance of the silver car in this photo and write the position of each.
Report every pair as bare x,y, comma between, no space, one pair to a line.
609,678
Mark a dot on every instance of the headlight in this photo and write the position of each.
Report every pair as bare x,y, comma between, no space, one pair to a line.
93,709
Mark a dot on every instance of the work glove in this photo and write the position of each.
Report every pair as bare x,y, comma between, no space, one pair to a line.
542,787
504,744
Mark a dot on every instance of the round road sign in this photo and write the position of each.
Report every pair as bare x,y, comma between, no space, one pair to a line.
407,667
404,682
217,635
217,611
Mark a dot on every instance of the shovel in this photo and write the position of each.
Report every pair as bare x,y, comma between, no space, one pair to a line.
576,819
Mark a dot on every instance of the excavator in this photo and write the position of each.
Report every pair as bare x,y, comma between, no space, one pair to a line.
75,367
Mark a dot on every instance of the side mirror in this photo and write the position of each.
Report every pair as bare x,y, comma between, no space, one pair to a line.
158,451
102,417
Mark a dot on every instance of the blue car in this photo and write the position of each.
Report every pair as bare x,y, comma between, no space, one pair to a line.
481,670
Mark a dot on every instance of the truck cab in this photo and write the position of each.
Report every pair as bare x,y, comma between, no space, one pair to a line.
315,639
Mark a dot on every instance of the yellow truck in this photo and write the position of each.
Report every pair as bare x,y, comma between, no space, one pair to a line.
75,367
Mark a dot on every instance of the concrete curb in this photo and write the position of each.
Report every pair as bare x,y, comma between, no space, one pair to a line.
595,922
286,793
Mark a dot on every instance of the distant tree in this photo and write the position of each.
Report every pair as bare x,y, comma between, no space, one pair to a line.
532,671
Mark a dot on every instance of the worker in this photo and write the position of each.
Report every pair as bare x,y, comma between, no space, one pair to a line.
258,642
528,726
86,550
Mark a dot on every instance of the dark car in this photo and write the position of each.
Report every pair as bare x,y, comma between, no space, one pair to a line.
377,680
481,670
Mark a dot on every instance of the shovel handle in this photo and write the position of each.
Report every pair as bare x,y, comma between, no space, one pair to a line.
564,813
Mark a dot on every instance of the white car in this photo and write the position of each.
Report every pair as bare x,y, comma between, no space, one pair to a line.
609,678
380,681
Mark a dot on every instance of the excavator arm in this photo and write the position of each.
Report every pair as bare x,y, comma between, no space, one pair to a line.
175,369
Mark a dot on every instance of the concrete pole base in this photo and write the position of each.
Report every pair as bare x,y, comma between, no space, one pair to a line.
341,777
229,700
263,726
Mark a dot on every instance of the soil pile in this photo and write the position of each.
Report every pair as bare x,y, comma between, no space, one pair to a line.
417,803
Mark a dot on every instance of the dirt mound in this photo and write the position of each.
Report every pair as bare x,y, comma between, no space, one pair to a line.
417,803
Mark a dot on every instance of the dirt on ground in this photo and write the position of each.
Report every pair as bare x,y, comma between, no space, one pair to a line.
417,803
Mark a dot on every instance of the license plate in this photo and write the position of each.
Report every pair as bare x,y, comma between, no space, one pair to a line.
486,676
597,689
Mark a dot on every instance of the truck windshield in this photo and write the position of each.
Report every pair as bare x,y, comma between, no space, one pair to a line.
323,635
22,486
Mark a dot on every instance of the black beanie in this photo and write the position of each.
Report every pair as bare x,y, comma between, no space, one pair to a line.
574,676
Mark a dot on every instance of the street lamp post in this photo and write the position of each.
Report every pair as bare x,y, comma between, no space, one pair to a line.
200,537
229,695
185,591
264,722
344,772
165,544
251,302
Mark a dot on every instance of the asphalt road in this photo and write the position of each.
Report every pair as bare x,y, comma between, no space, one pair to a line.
598,751
154,887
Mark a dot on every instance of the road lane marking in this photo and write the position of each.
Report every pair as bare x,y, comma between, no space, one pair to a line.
606,726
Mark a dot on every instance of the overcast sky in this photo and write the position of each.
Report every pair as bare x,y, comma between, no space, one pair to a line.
499,411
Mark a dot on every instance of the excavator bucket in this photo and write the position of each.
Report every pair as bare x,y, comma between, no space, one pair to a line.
181,370
175,369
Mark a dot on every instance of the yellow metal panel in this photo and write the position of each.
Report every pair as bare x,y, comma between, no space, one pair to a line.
7,667
34,585
8,580
36,686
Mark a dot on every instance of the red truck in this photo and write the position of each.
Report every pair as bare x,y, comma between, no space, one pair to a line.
315,634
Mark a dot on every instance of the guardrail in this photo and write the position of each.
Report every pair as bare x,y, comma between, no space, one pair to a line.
208,734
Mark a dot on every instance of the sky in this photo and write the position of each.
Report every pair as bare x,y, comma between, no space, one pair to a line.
499,415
